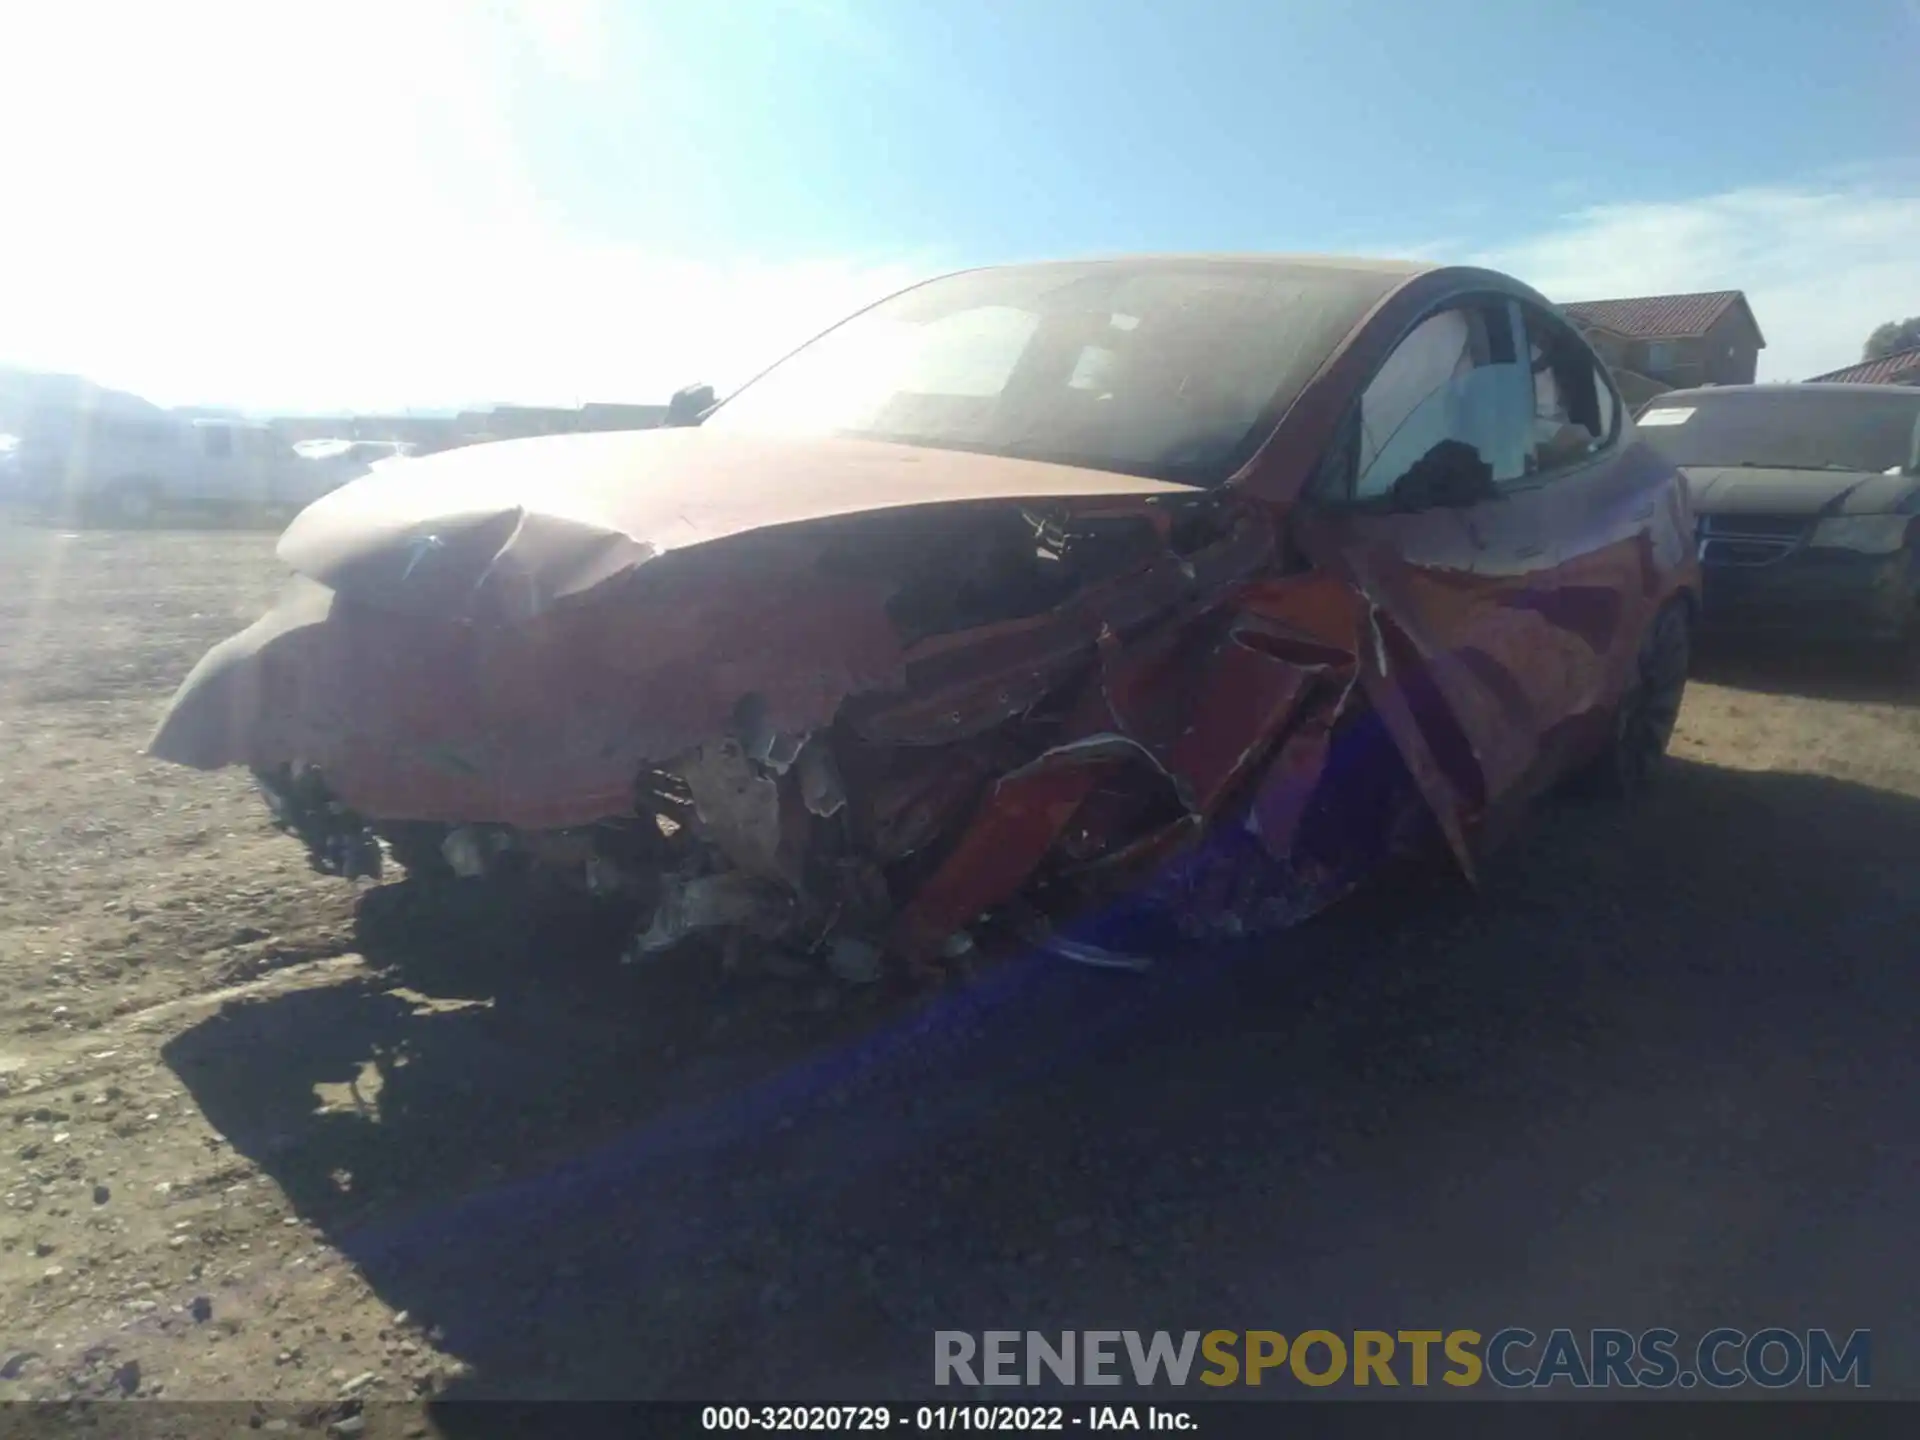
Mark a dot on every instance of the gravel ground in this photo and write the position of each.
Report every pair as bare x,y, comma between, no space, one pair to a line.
266,1138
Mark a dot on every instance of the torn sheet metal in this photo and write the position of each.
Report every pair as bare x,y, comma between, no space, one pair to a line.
737,805
540,725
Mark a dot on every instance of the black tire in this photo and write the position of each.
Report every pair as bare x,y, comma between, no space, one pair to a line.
1902,653
1643,723
1898,660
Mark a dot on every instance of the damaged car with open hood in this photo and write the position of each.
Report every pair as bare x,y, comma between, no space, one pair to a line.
1189,590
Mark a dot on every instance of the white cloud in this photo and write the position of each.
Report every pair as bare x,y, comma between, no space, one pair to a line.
1821,264
567,35
396,311
251,205
221,201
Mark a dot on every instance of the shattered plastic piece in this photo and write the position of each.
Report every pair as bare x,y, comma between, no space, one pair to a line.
761,742
853,960
738,805
731,899
821,789
1085,952
338,842
355,856
467,852
603,877
1084,940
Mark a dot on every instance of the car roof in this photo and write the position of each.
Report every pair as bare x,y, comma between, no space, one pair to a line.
1800,387
1278,262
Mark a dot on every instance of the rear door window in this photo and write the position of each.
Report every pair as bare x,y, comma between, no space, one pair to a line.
1575,411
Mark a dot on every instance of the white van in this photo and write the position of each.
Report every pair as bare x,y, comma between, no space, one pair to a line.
126,466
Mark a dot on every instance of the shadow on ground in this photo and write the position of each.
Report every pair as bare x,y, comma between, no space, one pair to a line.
1846,673
1656,1073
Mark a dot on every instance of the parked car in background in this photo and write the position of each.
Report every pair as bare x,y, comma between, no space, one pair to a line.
128,467
365,452
1807,500
1198,582
397,461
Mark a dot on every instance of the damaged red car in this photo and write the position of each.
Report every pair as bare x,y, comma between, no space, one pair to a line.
1182,589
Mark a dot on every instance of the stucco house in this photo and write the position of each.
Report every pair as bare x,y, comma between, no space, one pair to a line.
1654,343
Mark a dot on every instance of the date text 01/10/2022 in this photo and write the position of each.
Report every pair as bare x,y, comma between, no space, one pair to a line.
943,1418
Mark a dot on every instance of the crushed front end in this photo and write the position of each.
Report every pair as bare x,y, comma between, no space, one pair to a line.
851,743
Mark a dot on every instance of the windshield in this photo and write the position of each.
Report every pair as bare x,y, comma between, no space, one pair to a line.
1787,430
1174,371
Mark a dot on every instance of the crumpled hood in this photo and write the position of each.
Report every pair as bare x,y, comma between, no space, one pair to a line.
504,530
1747,490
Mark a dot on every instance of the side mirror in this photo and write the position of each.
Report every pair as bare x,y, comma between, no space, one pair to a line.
1450,475
689,406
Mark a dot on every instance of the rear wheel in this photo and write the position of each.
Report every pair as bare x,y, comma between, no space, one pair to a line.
1643,723
1899,659
1903,652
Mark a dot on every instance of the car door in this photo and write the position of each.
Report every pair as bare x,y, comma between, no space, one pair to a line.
1615,518
1426,505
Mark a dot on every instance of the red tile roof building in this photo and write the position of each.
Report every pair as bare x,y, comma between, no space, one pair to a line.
1900,368
1673,342
1660,317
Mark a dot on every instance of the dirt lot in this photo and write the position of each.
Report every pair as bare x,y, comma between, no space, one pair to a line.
1659,1071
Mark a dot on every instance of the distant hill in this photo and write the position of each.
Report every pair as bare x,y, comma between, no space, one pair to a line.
23,391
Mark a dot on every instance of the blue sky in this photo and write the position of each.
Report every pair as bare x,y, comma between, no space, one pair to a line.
432,201
1020,127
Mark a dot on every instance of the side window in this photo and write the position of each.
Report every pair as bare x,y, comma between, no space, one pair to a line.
218,441
1575,412
1452,397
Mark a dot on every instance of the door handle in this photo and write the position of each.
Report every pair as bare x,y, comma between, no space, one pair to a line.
1529,552
1645,512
